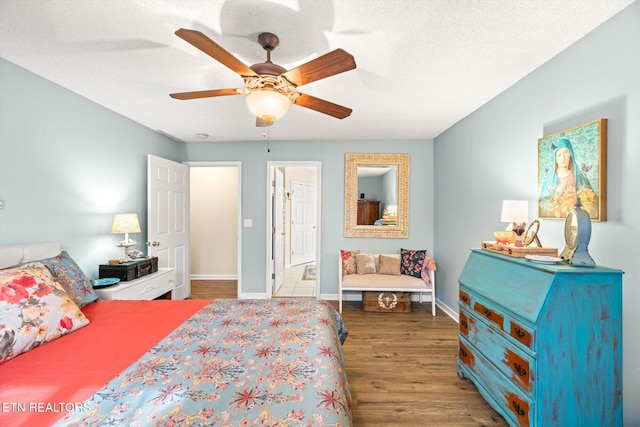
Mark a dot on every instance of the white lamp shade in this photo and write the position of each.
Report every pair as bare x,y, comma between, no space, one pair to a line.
515,211
267,104
125,223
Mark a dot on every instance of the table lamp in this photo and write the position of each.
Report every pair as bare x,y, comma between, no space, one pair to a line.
125,223
517,213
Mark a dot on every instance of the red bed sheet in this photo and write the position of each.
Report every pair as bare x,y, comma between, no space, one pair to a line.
38,387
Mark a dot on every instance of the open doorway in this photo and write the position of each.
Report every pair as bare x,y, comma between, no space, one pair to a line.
215,227
293,220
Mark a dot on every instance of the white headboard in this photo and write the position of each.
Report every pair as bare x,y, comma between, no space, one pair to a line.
17,254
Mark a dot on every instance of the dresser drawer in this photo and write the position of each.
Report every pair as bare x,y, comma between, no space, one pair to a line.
501,318
465,298
500,351
490,313
522,334
145,288
506,397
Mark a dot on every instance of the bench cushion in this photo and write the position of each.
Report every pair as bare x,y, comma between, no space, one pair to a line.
383,281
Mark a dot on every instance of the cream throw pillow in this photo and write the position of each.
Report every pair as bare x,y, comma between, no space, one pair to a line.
365,263
389,265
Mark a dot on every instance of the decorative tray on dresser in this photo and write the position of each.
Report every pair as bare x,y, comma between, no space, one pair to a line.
542,342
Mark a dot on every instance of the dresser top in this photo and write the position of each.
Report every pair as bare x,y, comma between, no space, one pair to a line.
523,286
560,268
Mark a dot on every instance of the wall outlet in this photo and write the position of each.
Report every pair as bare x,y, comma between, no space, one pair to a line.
248,222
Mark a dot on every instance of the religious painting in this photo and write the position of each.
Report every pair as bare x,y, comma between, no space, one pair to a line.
572,164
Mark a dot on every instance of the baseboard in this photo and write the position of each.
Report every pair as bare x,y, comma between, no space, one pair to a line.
213,277
448,311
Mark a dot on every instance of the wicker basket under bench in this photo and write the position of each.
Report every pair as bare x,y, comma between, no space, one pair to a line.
385,283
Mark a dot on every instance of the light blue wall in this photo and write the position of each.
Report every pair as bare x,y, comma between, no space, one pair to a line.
254,157
492,155
67,165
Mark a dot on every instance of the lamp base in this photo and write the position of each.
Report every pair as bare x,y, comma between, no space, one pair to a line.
126,244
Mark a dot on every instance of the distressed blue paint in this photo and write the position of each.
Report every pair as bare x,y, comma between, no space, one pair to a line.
575,359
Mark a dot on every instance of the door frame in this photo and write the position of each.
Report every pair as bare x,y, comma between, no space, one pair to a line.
238,166
269,229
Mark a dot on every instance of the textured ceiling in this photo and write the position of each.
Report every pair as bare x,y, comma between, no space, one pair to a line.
422,65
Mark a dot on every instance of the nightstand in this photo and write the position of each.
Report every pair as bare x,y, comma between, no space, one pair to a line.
158,285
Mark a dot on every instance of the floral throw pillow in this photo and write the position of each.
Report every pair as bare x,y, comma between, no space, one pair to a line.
412,261
66,272
34,309
349,262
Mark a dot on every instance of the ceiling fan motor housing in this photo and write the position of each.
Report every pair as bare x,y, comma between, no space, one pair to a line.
268,41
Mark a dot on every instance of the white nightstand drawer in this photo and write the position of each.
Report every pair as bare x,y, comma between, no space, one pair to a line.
145,288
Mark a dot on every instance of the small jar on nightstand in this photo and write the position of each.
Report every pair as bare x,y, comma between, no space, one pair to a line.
158,285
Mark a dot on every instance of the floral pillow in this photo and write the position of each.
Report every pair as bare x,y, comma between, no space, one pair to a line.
34,309
412,261
349,262
66,272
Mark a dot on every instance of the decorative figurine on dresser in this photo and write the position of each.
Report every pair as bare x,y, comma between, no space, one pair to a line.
542,341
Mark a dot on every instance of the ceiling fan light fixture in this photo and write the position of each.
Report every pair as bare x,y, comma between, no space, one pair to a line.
268,104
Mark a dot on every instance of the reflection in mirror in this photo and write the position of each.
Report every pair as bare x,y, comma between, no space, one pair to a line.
376,195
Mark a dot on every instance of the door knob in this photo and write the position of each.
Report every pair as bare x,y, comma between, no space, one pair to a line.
154,243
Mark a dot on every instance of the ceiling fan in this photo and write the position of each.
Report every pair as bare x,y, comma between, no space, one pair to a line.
270,87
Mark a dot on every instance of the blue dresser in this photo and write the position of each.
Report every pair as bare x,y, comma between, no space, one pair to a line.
542,343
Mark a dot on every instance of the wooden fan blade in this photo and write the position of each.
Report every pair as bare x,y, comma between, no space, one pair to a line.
332,63
214,50
261,123
322,106
206,93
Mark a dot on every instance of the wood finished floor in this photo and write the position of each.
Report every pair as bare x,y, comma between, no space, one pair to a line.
401,367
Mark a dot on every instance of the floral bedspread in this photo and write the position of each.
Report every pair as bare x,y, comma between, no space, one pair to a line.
272,362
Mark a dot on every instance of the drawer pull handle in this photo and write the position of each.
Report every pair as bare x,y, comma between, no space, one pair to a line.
147,289
464,298
519,332
517,408
464,324
519,369
487,312
463,353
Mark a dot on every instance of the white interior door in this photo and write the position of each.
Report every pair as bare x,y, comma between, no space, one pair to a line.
168,218
303,223
316,169
278,229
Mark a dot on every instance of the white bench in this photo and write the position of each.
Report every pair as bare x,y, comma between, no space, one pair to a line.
386,282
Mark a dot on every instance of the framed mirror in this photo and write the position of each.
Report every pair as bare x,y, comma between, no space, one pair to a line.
376,195
531,234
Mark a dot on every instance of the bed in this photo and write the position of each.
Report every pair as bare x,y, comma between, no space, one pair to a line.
188,362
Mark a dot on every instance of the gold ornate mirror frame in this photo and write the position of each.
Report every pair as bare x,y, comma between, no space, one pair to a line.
351,227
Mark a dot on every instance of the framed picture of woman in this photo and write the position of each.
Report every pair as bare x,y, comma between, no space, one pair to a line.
571,164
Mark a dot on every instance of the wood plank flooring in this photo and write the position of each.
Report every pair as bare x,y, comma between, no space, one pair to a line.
401,367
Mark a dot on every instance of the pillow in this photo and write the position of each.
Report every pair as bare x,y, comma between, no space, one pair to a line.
389,265
412,262
348,262
34,309
66,272
366,264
